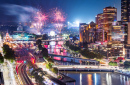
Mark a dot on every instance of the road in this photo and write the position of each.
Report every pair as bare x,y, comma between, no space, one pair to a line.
23,75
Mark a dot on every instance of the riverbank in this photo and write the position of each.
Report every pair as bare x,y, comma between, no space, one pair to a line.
126,73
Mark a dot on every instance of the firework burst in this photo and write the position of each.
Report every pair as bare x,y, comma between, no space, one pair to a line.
58,18
39,21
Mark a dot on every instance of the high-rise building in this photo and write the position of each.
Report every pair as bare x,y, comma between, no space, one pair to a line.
127,46
109,16
115,47
105,20
87,33
82,27
99,20
125,10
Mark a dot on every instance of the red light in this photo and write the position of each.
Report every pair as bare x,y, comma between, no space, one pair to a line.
105,41
17,69
33,60
64,59
57,58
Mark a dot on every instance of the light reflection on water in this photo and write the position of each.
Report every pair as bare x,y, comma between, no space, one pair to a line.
98,78
56,47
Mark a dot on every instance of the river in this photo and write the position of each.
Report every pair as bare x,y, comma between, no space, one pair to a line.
98,78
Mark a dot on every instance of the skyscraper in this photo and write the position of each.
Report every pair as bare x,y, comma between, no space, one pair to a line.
125,10
105,20
109,16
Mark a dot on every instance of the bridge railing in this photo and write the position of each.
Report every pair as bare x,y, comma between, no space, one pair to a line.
85,66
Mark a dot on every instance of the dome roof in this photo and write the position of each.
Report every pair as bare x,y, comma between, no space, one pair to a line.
20,28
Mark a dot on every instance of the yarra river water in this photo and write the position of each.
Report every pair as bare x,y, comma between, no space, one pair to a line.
89,78
98,78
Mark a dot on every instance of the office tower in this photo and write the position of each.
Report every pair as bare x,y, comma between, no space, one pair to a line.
82,27
115,47
104,21
125,10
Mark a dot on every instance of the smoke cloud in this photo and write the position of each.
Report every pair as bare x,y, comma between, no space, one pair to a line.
23,13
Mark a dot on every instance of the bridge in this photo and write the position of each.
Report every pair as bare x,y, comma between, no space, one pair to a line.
53,40
74,60
32,41
86,68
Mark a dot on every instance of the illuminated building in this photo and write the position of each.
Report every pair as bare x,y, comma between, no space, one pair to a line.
99,35
8,37
127,46
82,27
22,35
109,16
87,33
115,47
104,21
125,10
99,20
20,28
125,16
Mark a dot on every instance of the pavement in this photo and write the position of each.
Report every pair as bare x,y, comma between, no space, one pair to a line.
8,74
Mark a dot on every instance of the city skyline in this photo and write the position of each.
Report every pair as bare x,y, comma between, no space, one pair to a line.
75,10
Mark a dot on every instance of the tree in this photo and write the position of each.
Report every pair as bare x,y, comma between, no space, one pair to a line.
50,60
40,47
71,35
45,37
55,70
38,78
48,65
5,48
1,58
67,43
8,52
44,52
127,63
74,38
99,56
113,63
38,42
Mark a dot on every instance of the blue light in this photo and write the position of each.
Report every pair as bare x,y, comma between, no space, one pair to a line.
24,61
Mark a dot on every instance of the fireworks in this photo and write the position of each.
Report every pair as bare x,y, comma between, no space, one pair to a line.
39,21
59,26
59,18
36,17
40,17
56,16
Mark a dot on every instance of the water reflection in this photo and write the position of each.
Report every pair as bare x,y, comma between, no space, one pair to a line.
56,48
95,75
108,79
99,78
89,76
80,78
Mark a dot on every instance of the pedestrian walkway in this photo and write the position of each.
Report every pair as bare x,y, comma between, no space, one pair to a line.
8,74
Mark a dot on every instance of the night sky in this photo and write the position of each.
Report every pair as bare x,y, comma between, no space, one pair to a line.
81,10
